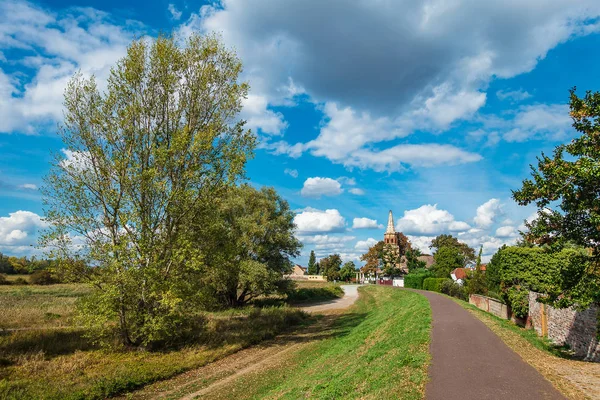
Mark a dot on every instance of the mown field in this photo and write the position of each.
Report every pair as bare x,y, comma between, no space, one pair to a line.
378,349
43,355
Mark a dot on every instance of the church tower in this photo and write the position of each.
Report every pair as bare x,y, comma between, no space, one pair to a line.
390,236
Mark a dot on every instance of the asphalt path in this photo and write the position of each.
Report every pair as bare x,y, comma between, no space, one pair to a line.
469,361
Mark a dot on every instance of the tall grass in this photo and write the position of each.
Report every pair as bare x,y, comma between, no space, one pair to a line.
50,363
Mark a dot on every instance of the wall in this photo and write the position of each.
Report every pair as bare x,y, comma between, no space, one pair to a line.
577,329
306,277
490,305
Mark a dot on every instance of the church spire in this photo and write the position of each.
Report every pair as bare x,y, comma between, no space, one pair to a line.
390,226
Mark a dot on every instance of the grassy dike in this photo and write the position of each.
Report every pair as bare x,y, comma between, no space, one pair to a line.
378,349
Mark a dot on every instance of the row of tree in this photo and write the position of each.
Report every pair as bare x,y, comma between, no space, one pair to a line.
23,265
331,267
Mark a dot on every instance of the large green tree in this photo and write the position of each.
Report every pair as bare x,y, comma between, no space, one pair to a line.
445,260
312,264
246,245
139,158
330,266
348,271
565,188
444,240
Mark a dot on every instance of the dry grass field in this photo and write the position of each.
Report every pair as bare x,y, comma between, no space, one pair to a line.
43,356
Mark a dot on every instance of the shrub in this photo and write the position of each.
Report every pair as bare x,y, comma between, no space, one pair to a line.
415,280
315,293
518,298
3,280
41,278
453,289
433,284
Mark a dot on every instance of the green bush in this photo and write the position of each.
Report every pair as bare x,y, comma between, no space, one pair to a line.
20,281
3,280
41,278
433,284
415,279
453,289
315,294
518,298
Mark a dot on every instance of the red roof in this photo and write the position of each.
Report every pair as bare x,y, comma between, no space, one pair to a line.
460,273
483,267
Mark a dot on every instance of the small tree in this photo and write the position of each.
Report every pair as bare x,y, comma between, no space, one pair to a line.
348,271
467,253
330,267
139,158
412,260
312,264
373,258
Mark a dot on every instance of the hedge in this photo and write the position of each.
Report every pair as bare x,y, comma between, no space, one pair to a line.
433,284
415,280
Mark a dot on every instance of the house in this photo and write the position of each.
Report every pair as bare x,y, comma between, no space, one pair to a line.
428,259
459,275
298,270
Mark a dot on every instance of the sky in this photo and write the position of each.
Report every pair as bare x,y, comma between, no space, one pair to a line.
432,109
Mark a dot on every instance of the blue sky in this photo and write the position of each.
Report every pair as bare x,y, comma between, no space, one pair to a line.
431,109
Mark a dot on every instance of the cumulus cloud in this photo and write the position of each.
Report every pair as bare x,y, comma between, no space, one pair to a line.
317,187
421,242
259,117
325,239
507,232
365,223
28,186
291,172
311,220
487,213
364,245
429,220
19,231
54,46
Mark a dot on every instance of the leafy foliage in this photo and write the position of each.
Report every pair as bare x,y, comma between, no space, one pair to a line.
561,275
330,267
565,189
467,253
348,271
447,259
412,260
42,278
453,289
373,258
312,264
433,284
140,159
415,279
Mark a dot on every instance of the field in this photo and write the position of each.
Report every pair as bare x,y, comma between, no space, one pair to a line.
43,356
377,349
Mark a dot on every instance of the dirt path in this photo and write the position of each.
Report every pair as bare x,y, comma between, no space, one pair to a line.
206,381
470,362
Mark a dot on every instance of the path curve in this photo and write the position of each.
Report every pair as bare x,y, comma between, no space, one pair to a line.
350,296
469,361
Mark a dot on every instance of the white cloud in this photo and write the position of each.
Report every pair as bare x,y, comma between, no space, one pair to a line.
507,232
429,220
54,45
365,223
175,13
513,95
291,172
357,191
540,121
317,187
19,230
28,186
488,212
259,117
364,245
421,242
311,220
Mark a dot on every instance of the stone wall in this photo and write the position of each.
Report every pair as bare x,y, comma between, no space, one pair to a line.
577,329
490,305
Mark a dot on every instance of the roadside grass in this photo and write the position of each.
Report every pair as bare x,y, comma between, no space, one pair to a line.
33,306
379,349
48,363
573,378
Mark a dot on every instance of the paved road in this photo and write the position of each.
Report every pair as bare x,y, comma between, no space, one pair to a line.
470,362
350,296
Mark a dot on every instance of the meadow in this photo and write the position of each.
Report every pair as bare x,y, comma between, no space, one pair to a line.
44,355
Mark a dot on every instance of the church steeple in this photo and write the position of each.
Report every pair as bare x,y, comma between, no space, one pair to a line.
390,225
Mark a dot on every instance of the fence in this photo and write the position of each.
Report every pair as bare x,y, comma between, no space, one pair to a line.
490,305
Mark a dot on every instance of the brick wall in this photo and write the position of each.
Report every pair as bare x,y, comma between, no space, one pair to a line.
490,305
577,329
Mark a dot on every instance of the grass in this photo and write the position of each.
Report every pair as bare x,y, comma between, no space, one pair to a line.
32,306
573,378
379,349
305,292
44,363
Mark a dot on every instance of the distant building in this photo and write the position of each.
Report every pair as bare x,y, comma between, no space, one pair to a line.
299,270
459,275
299,274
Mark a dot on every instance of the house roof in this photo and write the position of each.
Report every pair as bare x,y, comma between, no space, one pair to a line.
483,267
301,267
427,258
460,273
